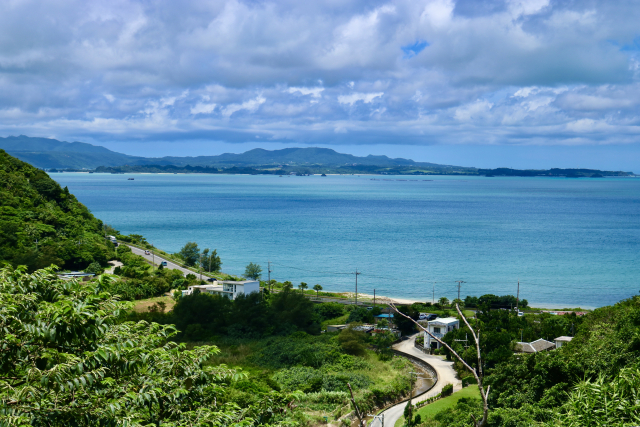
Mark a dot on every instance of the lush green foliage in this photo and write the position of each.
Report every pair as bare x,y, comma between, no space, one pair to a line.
591,381
200,316
67,359
139,281
43,224
190,253
253,271
210,261
493,301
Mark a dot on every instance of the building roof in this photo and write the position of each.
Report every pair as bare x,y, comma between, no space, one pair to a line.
241,282
384,315
76,274
444,321
535,346
564,339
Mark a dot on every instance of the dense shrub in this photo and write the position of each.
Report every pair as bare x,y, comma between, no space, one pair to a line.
447,390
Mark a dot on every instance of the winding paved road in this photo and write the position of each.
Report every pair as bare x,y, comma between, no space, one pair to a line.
446,375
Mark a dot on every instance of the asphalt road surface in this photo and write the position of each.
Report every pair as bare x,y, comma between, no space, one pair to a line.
157,260
446,375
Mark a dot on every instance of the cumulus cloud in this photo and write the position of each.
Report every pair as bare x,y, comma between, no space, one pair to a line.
368,72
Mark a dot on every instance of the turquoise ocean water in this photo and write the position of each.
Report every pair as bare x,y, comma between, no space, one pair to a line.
570,242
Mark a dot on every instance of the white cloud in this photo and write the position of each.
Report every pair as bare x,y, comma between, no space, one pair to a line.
251,106
352,98
315,92
502,71
203,108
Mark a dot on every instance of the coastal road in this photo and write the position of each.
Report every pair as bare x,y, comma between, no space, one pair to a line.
446,375
158,260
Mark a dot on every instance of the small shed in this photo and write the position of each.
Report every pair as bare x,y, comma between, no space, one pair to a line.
335,328
560,341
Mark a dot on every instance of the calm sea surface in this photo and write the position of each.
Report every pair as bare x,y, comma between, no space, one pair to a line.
571,242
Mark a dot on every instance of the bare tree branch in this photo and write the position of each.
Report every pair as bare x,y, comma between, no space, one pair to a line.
478,374
359,414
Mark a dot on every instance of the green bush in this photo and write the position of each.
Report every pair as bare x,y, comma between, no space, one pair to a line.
469,379
447,390
94,268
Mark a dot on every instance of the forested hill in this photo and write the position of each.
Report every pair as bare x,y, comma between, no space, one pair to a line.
43,224
53,154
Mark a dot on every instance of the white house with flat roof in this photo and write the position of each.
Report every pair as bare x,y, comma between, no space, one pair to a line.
226,288
439,327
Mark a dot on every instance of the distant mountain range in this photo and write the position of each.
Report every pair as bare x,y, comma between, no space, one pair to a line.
50,154
53,154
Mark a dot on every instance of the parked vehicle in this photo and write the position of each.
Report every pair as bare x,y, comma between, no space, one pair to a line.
163,263
147,253
427,316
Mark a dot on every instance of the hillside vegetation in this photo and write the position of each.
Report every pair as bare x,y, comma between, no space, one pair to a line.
43,224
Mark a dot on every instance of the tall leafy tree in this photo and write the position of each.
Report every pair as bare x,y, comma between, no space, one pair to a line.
302,287
210,261
317,288
190,253
253,271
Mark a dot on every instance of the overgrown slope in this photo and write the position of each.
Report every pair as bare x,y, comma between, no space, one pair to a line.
43,224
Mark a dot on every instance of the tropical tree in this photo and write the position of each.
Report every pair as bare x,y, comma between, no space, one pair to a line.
317,288
190,253
302,287
253,271
210,261
67,359
287,286
443,301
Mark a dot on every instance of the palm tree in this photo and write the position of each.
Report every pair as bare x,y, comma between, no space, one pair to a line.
317,288
303,286
443,301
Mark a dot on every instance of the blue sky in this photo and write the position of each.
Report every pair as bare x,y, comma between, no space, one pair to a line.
517,83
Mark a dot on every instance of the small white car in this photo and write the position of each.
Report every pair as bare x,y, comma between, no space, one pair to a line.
147,253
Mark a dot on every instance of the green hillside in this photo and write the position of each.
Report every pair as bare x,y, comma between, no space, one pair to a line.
43,224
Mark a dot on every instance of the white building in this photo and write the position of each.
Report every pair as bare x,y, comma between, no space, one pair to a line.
560,341
226,288
439,328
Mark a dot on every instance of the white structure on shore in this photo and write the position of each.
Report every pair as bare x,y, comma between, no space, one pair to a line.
226,288
439,328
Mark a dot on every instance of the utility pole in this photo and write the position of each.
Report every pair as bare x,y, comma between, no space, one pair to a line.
374,297
460,282
269,270
434,294
518,297
200,267
357,286
153,259
465,341
36,245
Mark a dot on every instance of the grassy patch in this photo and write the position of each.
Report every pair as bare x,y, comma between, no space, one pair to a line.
429,411
335,321
143,305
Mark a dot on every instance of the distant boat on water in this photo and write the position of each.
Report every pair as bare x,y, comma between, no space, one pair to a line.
130,179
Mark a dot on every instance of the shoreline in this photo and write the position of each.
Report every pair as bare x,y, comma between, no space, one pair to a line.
409,301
